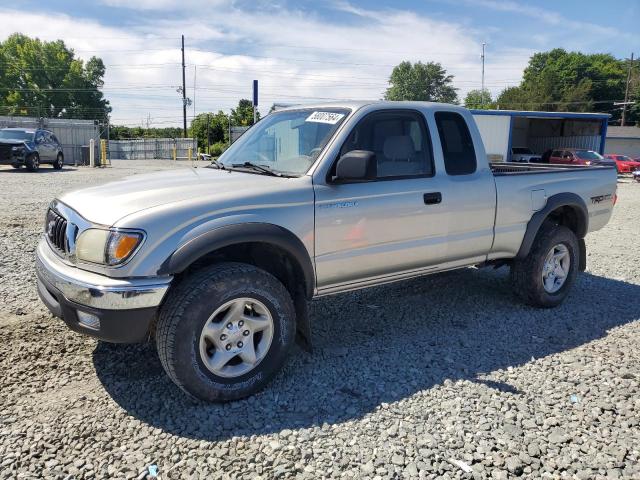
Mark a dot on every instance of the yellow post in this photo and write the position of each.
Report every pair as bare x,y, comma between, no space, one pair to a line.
175,153
189,153
103,152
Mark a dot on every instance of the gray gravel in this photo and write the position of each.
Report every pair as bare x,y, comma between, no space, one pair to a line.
446,376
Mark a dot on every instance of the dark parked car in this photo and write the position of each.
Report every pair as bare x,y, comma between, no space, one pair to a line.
30,147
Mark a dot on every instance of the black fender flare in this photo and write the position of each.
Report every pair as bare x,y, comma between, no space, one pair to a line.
554,202
235,234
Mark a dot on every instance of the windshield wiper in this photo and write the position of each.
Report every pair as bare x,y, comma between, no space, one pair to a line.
258,168
217,164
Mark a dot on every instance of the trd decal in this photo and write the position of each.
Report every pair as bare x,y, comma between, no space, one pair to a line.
601,198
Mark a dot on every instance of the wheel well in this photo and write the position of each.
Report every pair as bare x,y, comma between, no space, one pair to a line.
570,217
271,258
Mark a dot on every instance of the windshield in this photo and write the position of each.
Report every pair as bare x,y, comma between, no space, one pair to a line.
588,155
522,150
286,142
15,135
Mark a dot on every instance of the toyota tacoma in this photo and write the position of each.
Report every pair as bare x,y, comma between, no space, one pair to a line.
216,265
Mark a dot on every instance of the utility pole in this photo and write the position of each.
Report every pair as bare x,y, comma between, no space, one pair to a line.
208,137
482,89
184,94
626,92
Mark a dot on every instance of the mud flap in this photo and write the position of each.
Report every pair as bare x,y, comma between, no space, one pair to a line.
582,255
303,325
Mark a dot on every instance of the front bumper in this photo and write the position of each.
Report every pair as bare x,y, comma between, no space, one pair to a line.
13,160
115,310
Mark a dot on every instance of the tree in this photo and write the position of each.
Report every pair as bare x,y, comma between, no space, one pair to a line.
121,132
218,128
558,80
478,99
421,81
243,115
45,79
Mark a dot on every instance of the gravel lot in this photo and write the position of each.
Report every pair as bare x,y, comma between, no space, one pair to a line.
406,380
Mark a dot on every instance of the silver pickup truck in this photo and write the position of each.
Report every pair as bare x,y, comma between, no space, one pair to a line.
217,264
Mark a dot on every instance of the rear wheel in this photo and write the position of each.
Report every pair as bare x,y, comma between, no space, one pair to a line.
545,277
223,333
33,163
59,162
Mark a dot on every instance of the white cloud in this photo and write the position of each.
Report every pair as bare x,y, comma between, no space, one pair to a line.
295,54
164,5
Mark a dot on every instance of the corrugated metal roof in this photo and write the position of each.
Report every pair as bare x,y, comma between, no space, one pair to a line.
623,132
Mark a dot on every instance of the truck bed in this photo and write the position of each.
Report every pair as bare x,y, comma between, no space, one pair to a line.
512,168
523,189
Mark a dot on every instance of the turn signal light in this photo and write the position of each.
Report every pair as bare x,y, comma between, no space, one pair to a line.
121,245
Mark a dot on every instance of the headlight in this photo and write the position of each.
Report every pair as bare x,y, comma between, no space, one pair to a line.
587,162
17,149
106,246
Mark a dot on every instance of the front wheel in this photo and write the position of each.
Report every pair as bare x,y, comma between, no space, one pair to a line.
224,332
33,163
545,277
59,162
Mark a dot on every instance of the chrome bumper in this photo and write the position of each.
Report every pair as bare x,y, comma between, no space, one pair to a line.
97,291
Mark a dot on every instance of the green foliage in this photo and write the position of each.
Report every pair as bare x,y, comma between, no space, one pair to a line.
479,99
218,128
118,132
45,79
633,111
242,116
421,81
558,80
217,149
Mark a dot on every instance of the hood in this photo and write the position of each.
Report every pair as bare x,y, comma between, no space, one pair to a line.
12,142
106,204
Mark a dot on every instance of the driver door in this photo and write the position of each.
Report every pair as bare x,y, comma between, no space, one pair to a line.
391,225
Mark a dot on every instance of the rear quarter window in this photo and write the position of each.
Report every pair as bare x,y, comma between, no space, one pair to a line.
457,144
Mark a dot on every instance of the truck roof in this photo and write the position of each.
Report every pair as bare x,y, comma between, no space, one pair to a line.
358,104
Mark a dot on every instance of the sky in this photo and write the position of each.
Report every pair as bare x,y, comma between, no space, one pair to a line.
307,50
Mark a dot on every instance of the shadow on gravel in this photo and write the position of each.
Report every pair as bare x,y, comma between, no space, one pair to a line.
42,169
379,345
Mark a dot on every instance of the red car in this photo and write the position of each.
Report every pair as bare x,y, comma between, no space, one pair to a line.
624,164
577,156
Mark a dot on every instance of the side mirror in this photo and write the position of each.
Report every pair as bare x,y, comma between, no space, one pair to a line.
356,166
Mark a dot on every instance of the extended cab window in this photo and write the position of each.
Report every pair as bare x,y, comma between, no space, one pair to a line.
457,145
399,140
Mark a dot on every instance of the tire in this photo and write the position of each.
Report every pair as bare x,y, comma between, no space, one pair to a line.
184,346
33,163
527,274
59,162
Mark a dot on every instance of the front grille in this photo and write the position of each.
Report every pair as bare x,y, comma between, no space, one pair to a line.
5,152
57,230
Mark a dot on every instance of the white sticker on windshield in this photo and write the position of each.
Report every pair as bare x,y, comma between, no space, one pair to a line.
325,117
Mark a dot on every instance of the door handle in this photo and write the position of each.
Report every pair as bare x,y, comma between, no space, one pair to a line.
432,198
